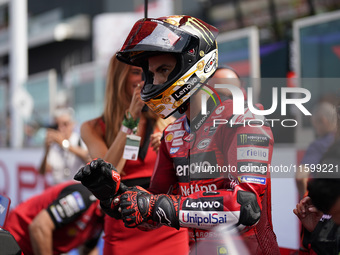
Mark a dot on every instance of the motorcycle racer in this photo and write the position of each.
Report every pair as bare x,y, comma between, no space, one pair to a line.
206,175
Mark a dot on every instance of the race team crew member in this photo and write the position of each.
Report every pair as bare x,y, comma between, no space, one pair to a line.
63,217
178,54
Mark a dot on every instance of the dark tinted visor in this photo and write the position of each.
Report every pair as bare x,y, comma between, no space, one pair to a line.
154,35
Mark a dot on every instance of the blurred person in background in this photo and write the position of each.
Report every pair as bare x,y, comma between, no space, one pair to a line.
106,136
63,217
64,152
319,211
321,233
325,195
324,122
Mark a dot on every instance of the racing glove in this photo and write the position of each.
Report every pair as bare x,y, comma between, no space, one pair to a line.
101,178
139,206
111,206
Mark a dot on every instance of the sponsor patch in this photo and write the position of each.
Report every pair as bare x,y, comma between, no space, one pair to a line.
67,209
202,219
177,142
169,137
203,144
253,139
174,150
79,199
211,64
200,65
252,153
60,211
189,138
179,133
212,130
186,190
203,204
252,168
222,250
186,88
69,204
174,127
71,200
197,166
55,213
219,110
253,179
216,116
198,123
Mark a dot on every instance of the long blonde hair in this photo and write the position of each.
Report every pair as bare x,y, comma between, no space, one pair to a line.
116,98
117,101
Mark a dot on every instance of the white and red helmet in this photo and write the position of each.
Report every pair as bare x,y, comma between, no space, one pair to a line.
193,43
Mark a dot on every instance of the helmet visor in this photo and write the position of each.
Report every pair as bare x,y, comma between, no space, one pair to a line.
153,35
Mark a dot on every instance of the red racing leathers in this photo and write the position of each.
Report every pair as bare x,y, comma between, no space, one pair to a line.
74,211
217,164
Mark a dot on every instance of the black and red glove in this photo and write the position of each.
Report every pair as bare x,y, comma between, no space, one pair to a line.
111,205
101,178
138,206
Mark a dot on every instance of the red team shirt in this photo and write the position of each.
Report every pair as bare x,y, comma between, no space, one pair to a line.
73,209
210,197
121,240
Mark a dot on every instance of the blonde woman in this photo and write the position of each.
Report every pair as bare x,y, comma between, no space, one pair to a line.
106,137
